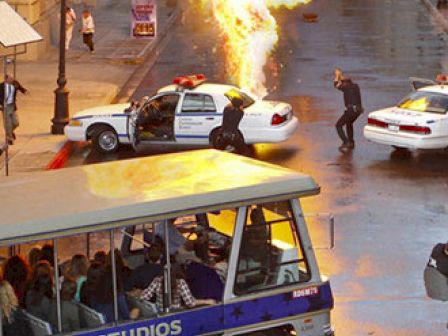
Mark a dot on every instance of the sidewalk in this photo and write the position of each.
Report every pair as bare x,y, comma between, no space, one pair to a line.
92,79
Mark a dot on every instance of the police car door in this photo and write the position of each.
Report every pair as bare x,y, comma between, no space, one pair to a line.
196,118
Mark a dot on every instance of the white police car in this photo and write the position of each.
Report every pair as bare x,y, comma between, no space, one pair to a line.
188,112
419,121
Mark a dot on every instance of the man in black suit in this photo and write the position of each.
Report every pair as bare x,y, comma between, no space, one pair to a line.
8,93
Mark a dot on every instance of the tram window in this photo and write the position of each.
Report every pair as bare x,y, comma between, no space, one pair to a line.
271,253
199,247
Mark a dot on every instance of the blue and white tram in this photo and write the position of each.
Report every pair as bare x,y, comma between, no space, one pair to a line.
259,268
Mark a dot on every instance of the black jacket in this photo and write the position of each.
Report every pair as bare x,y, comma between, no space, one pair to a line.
441,258
352,94
231,119
17,86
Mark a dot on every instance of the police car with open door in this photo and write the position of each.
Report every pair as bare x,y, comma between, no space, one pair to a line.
188,112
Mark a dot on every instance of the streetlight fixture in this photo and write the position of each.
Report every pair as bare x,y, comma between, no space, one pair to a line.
61,107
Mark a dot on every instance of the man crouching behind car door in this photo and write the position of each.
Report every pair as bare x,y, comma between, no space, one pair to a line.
230,133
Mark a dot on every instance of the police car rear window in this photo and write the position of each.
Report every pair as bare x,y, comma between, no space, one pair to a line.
422,101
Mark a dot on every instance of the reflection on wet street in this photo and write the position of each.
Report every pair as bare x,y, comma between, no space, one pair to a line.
390,206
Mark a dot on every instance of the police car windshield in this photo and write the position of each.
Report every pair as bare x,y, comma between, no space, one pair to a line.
422,101
247,100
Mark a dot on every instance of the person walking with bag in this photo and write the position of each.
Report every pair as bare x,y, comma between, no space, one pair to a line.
8,93
70,19
88,29
353,108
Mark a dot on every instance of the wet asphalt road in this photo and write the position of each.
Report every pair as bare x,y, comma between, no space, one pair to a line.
390,208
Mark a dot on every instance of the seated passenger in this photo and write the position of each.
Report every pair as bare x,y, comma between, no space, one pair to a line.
38,299
46,253
89,286
122,269
34,256
204,282
17,272
100,257
69,309
143,275
11,324
78,271
180,292
103,297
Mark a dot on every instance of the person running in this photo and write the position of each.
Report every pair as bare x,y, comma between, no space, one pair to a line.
88,29
353,108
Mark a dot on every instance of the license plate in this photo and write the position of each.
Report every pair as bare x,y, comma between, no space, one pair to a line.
393,128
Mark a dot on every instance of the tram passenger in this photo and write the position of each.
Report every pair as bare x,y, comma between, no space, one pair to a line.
143,275
69,309
39,296
89,286
17,272
78,271
11,324
100,257
123,270
46,253
102,299
180,292
34,256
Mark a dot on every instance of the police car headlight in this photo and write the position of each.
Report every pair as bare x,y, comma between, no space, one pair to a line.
75,122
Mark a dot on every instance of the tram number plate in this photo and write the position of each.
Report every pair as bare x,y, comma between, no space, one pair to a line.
393,127
305,292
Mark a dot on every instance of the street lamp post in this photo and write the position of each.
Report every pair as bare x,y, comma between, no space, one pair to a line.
61,109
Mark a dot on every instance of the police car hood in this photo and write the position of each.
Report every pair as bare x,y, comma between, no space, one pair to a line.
102,110
268,107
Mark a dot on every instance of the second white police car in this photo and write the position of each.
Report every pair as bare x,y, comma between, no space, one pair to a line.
419,121
188,112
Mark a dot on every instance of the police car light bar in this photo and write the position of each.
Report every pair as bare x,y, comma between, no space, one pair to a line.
442,79
190,81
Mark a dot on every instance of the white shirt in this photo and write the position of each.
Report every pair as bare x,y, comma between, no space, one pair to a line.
70,17
88,26
9,93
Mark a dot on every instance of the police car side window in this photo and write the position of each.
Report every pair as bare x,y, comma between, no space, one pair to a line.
198,103
209,105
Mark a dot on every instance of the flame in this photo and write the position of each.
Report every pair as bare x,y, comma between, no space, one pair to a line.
251,35
419,105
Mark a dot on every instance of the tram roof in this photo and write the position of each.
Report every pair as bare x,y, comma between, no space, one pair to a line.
114,194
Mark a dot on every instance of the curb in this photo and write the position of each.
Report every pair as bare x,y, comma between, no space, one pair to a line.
61,156
438,17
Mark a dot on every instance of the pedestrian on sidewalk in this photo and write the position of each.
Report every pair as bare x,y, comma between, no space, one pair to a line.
70,19
353,108
8,93
88,29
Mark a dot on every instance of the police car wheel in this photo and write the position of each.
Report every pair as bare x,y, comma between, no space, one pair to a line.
105,140
216,138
